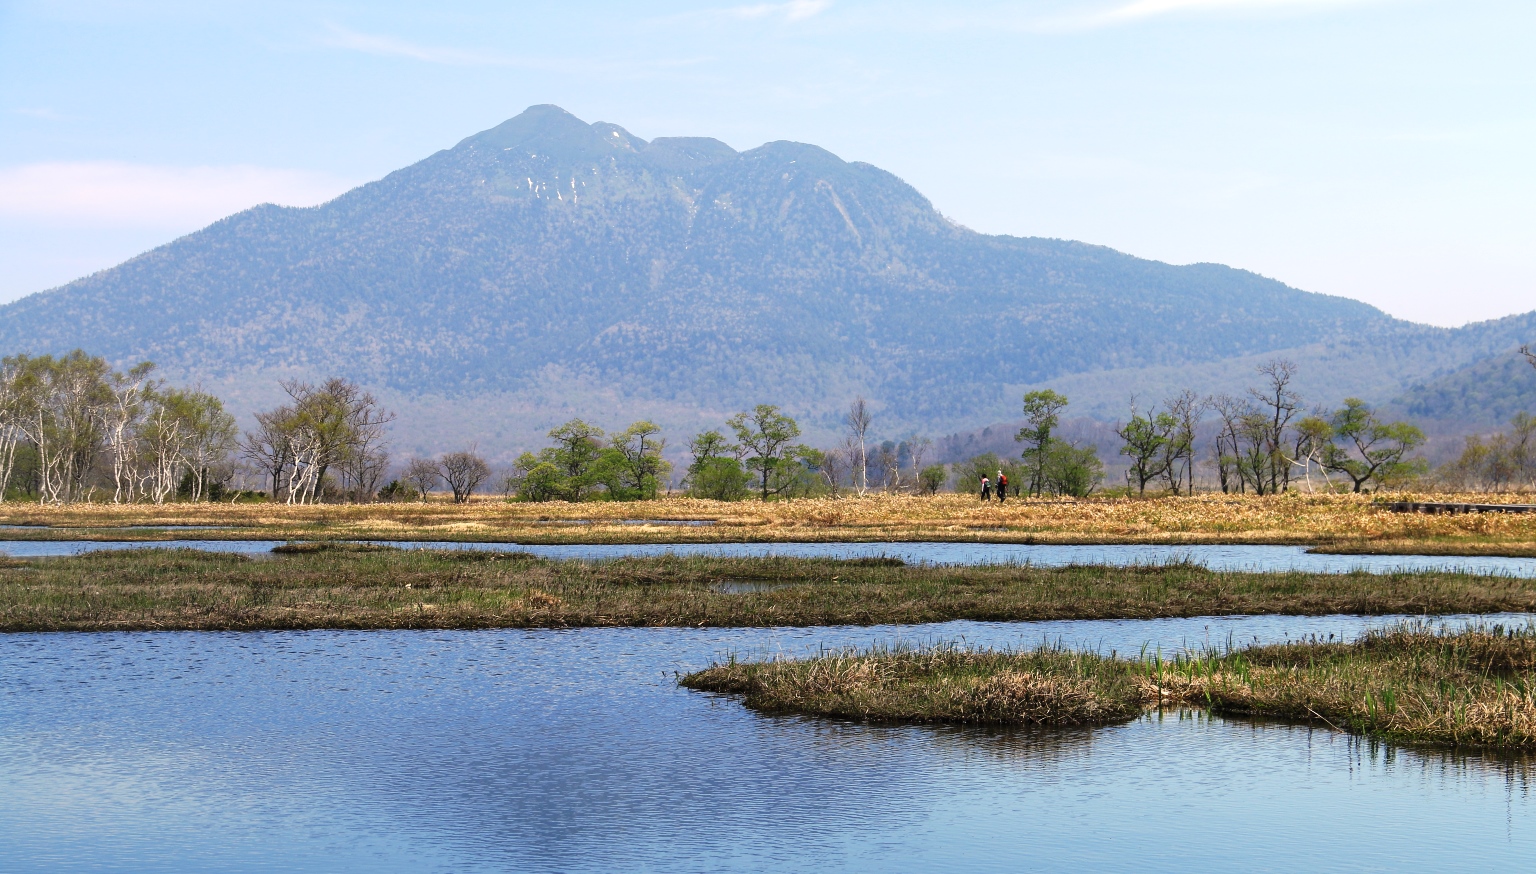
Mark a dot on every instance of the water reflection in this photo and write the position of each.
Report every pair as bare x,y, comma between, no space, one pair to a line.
576,751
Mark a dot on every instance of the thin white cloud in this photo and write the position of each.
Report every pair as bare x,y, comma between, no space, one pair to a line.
1143,9
120,194
793,10
44,113
391,47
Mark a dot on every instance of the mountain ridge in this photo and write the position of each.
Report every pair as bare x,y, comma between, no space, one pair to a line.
547,265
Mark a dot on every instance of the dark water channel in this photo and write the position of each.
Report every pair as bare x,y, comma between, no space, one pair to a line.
575,751
1233,558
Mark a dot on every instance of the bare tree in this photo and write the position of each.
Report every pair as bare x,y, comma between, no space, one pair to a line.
213,439
335,424
269,449
167,433
67,395
129,392
858,421
1529,355
888,461
918,447
1185,411
1244,450
464,472
837,464
423,474
1280,403
363,473
1225,449
14,402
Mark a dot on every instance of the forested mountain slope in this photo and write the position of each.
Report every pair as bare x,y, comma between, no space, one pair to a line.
1484,396
548,267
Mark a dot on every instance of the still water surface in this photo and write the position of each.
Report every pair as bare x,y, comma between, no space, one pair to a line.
1221,558
575,751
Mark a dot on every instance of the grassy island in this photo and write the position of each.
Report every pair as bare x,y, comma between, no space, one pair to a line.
351,586
1409,685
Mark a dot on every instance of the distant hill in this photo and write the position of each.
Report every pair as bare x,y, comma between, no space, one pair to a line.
1483,396
547,268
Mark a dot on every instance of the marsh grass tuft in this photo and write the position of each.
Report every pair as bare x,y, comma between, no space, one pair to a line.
1411,685
346,587
1047,686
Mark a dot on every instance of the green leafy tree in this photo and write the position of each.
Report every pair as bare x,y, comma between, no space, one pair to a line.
932,478
1368,450
799,474
1313,436
1145,437
395,492
1073,470
766,437
968,473
578,449
637,463
716,471
536,479
1042,413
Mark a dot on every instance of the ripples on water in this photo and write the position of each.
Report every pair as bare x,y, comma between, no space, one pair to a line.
575,751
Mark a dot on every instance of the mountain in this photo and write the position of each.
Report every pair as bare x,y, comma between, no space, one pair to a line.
548,267
1483,396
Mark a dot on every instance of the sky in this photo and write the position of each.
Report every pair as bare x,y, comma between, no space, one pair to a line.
1376,149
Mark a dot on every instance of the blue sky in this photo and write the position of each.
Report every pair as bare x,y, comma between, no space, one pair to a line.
1378,149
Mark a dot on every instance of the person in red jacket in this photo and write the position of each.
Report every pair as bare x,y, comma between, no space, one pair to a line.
1002,486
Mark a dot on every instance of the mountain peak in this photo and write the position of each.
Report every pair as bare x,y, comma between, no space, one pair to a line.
549,267
547,128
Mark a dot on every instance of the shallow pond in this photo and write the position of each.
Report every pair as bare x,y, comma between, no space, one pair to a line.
1234,558
575,751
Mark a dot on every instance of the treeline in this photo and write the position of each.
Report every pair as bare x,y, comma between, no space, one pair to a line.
72,428
1498,462
1265,440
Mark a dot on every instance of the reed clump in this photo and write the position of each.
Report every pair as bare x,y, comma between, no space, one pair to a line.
1411,685
1048,686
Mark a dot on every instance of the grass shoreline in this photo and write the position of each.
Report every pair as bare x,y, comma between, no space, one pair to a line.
332,586
1413,686
1334,523
1393,548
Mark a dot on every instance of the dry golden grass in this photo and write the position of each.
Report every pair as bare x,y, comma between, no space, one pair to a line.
1337,522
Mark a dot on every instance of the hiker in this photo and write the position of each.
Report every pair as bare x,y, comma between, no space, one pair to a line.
1002,487
986,489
